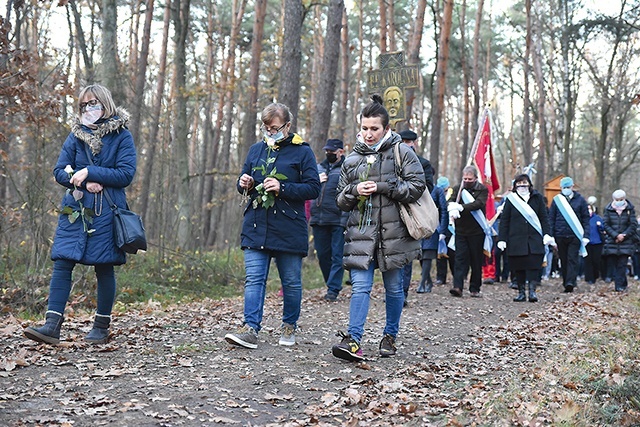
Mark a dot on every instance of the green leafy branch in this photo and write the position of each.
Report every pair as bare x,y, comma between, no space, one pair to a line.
265,198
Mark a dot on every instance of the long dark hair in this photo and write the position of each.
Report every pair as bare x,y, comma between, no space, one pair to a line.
520,178
376,109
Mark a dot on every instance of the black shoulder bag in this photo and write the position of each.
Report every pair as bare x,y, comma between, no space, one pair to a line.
128,230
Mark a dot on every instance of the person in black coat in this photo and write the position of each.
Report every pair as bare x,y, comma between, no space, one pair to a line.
620,227
328,221
525,231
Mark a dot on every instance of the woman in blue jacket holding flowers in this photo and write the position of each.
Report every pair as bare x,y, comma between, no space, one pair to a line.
278,175
85,226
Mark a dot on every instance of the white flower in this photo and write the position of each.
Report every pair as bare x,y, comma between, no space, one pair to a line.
271,142
68,169
371,159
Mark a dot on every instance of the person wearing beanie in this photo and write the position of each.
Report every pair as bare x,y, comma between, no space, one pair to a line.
569,221
620,226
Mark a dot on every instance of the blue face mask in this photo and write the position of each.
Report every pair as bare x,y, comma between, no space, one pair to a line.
272,139
567,192
618,204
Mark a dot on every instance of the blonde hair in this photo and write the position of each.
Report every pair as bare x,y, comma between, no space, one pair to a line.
103,95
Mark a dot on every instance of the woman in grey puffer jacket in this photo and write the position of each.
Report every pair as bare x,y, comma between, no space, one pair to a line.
376,237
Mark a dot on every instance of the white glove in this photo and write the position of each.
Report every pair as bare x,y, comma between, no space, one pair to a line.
499,210
454,214
553,242
441,237
546,239
453,206
585,241
502,245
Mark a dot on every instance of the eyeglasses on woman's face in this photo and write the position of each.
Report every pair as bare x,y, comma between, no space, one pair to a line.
272,130
89,103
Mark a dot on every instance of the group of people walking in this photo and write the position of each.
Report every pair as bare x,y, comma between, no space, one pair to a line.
354,216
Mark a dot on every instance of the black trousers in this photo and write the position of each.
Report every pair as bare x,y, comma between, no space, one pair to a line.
568,252
592,263
469,255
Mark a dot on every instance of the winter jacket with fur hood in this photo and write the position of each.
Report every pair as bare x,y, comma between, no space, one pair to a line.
386,238
114,156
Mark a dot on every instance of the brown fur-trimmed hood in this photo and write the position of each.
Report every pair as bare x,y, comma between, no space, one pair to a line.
94,139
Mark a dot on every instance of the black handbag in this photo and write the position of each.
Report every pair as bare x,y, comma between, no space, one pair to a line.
128,230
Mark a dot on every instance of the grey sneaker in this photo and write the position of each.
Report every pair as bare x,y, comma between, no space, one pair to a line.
246,337
288,337
388,346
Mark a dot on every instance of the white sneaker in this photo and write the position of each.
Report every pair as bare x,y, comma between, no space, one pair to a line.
288,336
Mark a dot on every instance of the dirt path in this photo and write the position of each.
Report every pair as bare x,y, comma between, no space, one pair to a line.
171,367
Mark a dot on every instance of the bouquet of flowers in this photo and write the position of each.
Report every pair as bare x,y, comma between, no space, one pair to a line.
85,214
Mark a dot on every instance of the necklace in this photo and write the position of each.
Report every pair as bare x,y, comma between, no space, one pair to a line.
98,204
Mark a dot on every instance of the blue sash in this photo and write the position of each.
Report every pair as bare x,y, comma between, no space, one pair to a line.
570,216
526,211
478,215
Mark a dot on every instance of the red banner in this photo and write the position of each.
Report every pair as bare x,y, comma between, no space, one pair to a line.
483,159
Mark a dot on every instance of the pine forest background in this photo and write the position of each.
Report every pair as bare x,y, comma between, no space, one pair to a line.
561,77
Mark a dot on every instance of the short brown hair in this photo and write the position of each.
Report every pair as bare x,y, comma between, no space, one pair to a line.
274,110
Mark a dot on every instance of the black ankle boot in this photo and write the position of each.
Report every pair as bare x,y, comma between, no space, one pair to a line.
522,296
533,297
48,333
99,334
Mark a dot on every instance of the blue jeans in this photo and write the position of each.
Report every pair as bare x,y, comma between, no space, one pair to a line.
328,241
256,264
60,286
361,284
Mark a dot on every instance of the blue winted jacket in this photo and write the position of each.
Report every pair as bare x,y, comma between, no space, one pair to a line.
114,155
560,227
283,227
324,210
440,200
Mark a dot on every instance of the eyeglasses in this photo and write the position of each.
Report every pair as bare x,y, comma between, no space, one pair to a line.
272,130
522,186
90,103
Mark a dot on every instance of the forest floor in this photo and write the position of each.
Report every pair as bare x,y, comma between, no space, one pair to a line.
460,362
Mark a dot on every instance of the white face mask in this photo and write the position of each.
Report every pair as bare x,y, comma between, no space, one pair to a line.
523,191
567,192
91,114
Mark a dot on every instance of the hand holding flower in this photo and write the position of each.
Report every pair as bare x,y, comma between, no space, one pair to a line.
271,185
79,177
367,188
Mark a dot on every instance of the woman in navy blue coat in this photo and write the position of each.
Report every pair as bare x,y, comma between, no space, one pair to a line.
84,233
278,175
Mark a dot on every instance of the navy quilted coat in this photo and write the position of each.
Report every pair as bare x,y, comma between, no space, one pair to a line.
283,227
114,155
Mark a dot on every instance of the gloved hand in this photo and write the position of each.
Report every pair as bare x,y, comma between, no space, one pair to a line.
453,206
585,241
502,245
441,237
499,209
546,239
454,214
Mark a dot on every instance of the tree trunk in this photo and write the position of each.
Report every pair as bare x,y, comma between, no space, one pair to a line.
542,125
465,80
413,53
289,89
327,84
249,129
476,68
141,74
382,7
82,44
341,124
180,136
146,168
109,67
441,67
526,113
392,26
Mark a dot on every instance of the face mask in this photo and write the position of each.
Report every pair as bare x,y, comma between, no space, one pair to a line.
567,192
618,204
331,157
91,114
523,191
469,184
272,140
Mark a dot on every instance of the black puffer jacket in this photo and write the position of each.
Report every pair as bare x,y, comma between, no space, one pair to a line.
386,237
614,224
